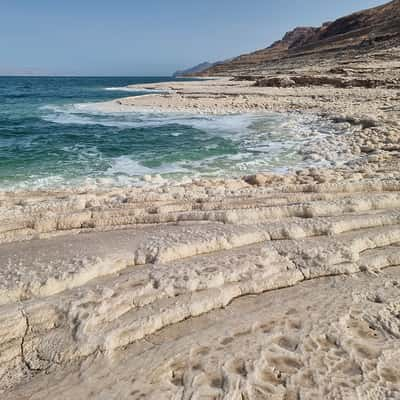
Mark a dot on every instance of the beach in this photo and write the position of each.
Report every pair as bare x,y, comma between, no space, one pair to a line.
225,95
263,285
227,231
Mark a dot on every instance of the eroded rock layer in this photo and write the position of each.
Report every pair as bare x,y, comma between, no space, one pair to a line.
353,37
266,287
91,280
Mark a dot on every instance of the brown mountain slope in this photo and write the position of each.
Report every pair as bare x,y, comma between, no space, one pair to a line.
360,32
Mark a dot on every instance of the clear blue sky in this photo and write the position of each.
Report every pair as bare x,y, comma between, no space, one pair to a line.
147,37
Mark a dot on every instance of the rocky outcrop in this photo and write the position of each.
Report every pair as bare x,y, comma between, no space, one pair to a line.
314,80
364,31
117,267
267,287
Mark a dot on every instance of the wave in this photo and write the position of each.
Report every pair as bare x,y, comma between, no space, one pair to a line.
227,145
91,114
134,90
128,166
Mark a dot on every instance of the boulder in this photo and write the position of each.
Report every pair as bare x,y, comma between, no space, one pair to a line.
282,82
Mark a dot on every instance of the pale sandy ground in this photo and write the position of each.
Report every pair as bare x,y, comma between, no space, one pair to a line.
272,287
222,96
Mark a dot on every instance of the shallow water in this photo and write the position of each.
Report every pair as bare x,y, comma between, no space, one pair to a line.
52,134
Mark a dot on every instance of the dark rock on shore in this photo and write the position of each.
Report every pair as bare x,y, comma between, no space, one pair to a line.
310,80
353,35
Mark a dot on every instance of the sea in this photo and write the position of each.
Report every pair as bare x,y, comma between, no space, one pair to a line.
53,136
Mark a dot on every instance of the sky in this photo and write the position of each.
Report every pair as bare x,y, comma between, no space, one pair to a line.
147,37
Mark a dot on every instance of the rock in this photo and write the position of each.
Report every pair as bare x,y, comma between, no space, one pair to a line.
275,82
367,149
364,31
317,80
369,123
256,180
262,179
338,71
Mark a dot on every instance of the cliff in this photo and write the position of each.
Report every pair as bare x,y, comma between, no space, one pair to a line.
360,32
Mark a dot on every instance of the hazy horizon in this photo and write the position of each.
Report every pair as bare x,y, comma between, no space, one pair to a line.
153,39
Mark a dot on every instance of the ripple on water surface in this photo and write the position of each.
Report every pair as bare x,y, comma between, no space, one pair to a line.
63,144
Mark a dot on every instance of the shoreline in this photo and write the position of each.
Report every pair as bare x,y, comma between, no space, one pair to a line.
364,140
300,137
225,96
226,237
96,279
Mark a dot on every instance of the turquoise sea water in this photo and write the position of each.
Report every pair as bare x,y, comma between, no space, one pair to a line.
49,137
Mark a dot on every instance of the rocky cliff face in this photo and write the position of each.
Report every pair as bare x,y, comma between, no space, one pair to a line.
363,31
295,38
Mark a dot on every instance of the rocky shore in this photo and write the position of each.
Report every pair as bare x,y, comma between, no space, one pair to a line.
178,290
262,287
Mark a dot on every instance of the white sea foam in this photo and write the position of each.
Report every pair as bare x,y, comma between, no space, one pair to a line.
262,129
134,89
265,142
128,166
90,114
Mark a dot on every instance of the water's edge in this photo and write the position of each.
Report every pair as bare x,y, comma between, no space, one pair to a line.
53,134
